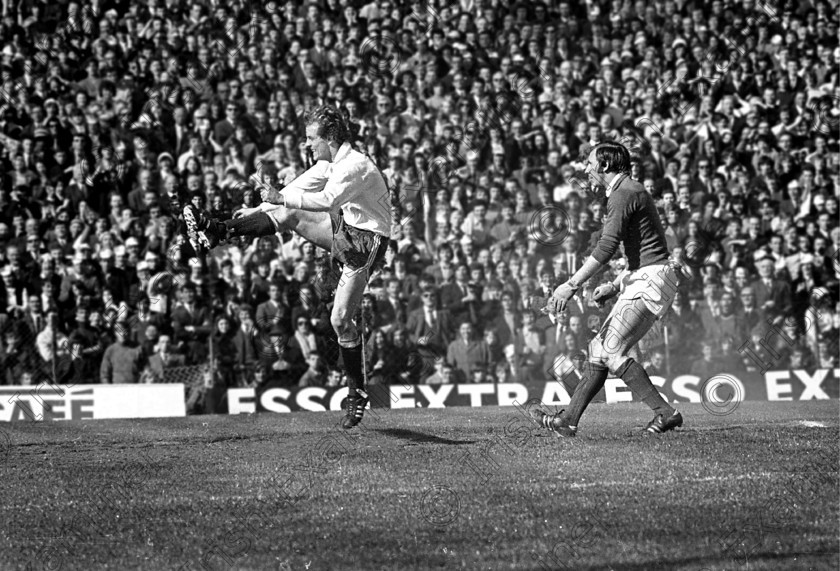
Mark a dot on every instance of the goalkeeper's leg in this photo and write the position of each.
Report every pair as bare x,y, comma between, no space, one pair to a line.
627,323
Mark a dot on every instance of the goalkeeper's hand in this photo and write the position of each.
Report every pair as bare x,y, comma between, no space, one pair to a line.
604,292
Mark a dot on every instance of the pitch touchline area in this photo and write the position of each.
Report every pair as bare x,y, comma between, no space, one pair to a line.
434,489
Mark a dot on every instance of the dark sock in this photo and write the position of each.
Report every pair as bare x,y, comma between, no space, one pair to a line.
352,357
258,224
594,376
638,381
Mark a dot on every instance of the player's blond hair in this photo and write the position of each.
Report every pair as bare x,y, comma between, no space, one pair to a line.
333,125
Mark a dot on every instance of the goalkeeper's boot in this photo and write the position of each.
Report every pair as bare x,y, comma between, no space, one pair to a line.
355,410
202,229
662,424
553,422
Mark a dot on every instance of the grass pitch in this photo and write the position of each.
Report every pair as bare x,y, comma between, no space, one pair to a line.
458,488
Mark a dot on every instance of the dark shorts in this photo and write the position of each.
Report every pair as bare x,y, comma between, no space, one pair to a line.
356,248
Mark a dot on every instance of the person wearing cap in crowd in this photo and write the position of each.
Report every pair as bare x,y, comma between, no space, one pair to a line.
283,363
132,249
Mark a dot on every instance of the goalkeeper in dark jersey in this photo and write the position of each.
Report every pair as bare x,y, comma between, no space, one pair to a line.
646,287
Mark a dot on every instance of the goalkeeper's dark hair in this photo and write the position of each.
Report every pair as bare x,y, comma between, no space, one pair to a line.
333,125
615,156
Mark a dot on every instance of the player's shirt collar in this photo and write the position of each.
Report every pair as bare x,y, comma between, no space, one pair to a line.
343,151
614,183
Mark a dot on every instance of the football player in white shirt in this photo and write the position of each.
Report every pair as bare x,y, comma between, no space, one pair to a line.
341,204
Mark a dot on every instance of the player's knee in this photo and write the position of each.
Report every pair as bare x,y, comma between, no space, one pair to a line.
348,336
600,352
615,362
339,321
597,354
283,218
621,366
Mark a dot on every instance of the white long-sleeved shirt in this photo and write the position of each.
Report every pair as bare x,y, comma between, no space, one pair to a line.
351,182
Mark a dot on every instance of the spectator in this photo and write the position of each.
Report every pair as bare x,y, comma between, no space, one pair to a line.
144,318
315,375
443,374
247,351
724,322
508,322
430,327
772,296
52,343
163,358
284,364
191,324
656,366
512,367
466,352
274,311
381,362
304,339
391,304
86,346
12,357
533,348
705,366
224,349
33,320
122,362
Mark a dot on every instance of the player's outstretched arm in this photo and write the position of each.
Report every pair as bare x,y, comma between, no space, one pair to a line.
312,180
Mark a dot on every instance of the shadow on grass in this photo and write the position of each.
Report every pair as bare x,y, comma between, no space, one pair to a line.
419,437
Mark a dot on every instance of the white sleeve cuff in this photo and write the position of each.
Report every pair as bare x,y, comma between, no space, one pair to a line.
293,197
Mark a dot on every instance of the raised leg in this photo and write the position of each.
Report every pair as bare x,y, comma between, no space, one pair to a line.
315,227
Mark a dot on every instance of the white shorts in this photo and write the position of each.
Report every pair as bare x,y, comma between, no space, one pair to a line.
656,285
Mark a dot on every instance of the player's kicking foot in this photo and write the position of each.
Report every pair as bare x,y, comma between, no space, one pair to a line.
553,422
355,410
661,424
201,229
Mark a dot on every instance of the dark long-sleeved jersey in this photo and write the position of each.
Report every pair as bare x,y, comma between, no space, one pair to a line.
632,219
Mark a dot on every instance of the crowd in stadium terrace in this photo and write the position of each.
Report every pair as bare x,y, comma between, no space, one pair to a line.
478,113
